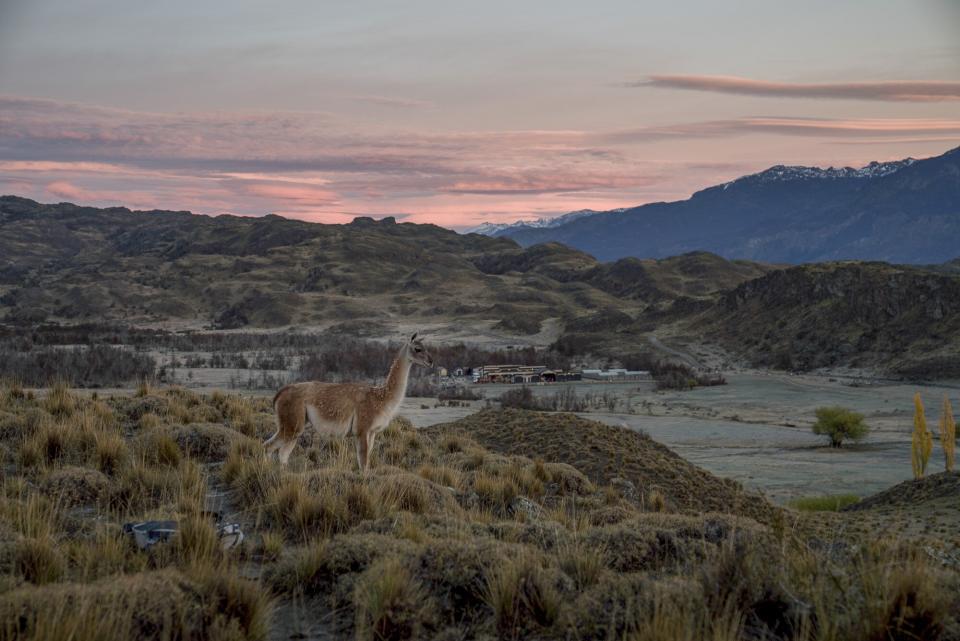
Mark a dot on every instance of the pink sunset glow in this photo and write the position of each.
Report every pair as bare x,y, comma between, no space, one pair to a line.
327,113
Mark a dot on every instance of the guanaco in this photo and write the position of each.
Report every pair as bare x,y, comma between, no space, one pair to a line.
344,409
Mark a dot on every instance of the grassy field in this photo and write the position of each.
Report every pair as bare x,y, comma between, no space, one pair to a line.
503,525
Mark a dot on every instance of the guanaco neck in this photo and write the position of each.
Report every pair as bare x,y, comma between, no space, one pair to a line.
396,386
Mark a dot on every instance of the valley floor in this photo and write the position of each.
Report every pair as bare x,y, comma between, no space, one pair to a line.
756,429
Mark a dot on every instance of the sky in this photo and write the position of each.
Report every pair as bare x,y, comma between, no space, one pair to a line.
458,113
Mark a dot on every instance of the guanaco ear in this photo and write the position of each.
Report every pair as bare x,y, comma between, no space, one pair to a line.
414,337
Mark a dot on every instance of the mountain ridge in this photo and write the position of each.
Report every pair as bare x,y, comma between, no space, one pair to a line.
900,212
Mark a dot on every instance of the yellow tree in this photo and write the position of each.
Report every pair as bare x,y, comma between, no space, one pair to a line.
922,442
948,433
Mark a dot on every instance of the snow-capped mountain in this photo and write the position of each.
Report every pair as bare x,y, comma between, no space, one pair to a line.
907,211
798,172
499,229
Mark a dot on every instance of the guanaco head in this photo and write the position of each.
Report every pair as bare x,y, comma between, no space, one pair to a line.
417,352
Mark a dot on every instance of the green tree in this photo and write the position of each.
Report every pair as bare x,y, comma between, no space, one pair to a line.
840,424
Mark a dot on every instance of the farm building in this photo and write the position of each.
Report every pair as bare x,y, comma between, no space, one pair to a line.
615,374
508,373
521,374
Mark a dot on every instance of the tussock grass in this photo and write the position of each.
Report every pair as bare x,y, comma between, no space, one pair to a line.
59,400
521,595
442,475
111,453
443,538
583,563
389,603
37,560
157,447
496,493
151,605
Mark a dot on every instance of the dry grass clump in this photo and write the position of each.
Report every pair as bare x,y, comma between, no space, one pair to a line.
522,596
248,471
111,453
59,400
76,485
157,447
583,563
207,442
495,493
405,492
390,604
442,475
442,538
196,540
58,443
142,487
37,560
104,553
11,391
306,514
332,567
153,605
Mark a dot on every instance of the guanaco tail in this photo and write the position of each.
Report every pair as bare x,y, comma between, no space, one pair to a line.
344,409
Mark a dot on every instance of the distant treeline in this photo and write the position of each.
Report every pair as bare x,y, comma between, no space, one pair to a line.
95,354
359,359
93,366
329,352
109,334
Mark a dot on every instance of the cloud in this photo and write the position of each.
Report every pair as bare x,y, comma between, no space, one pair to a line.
300,194
810,127
894,91
310,166
393,102
64,189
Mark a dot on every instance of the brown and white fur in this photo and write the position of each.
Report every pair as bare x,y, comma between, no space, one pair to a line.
344,409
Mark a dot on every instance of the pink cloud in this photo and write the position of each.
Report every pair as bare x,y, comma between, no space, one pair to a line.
63,189
303,165
298,193
896,91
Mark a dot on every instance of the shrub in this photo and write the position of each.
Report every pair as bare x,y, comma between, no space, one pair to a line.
520,398
94,366
829,503
459,393
840,424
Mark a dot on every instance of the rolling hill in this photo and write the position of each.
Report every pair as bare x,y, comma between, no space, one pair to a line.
900,212
69,263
